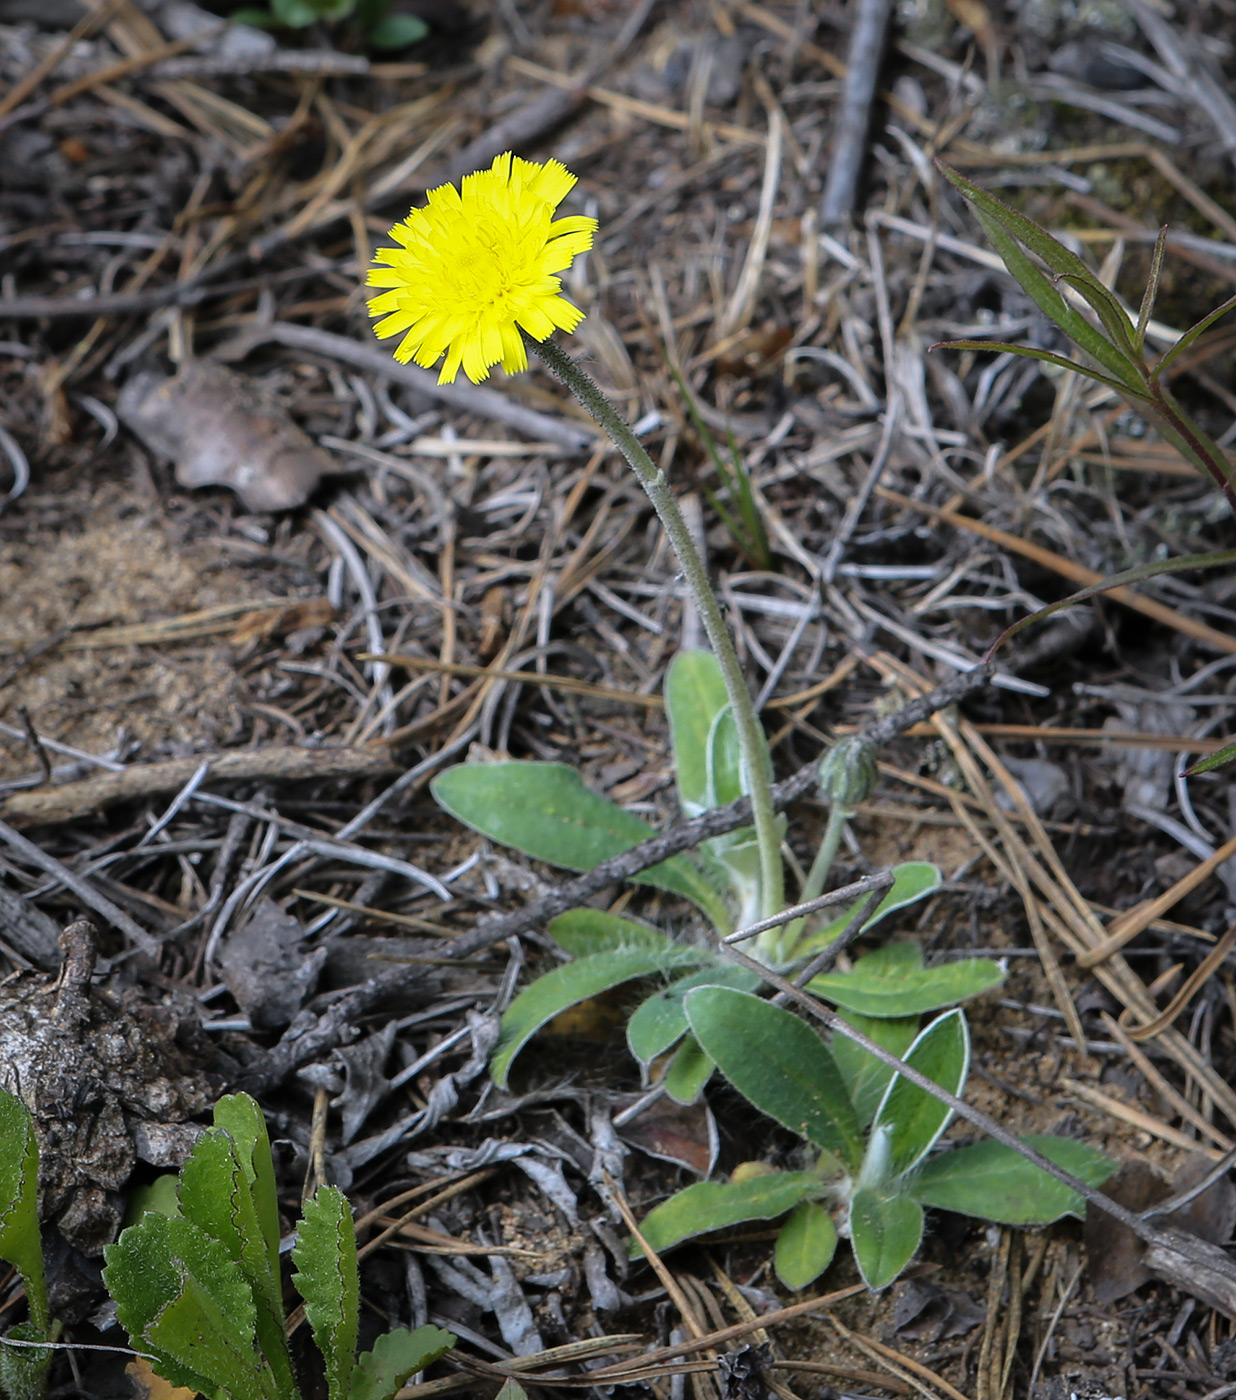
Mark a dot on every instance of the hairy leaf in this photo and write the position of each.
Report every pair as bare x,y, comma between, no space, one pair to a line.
880,992
780,1064
567,986
715,1205
584,931
866,1077
689,1071
806,1245
694,696
885,1231
912,881
909,1119
992,1182
545,811
661,1020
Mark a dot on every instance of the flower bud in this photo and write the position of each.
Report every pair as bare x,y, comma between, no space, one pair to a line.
848,771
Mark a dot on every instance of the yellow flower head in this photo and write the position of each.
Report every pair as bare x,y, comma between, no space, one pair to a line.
476,265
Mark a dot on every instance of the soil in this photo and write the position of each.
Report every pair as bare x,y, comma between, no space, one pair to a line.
142,621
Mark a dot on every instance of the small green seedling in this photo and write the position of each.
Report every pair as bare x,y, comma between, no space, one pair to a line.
199,1291
872,1129
373,21
546,811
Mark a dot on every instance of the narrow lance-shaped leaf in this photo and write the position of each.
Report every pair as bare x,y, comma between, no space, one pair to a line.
661,1019
584,931
1007,231
328,1281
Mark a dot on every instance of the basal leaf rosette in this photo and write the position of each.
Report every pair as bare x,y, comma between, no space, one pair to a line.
475,270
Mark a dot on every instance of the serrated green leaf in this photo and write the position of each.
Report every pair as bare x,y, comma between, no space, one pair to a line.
694,696
545,811
584,931
992,1182
912,881
885,1231
328,1281
397,32
689,1072
661,1019
866,1077
181,1298
909,1119
911,993
778,1063
716,1205
240,1117
217,1196
395,1356
806,1245
20,1243
567,986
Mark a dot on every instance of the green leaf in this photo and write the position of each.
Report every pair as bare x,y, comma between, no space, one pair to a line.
992,1182
661,1019
567,986
876,993
23,1370
295,14
694,697
181,1298
1212,761
584,931
217,1197
397,32
511,1390
545,811
1008,230
866,1077
328,1281
240,1117
909,1119
20,1243
689,1071
716,1205
912,881
1030,352
255,19
725,777
780,1064
396,1356
806,1245
1195,330
885,1231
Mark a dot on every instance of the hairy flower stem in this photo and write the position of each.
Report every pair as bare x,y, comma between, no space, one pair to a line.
838,819
757,764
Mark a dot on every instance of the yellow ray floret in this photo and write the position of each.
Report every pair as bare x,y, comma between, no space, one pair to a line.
477,265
